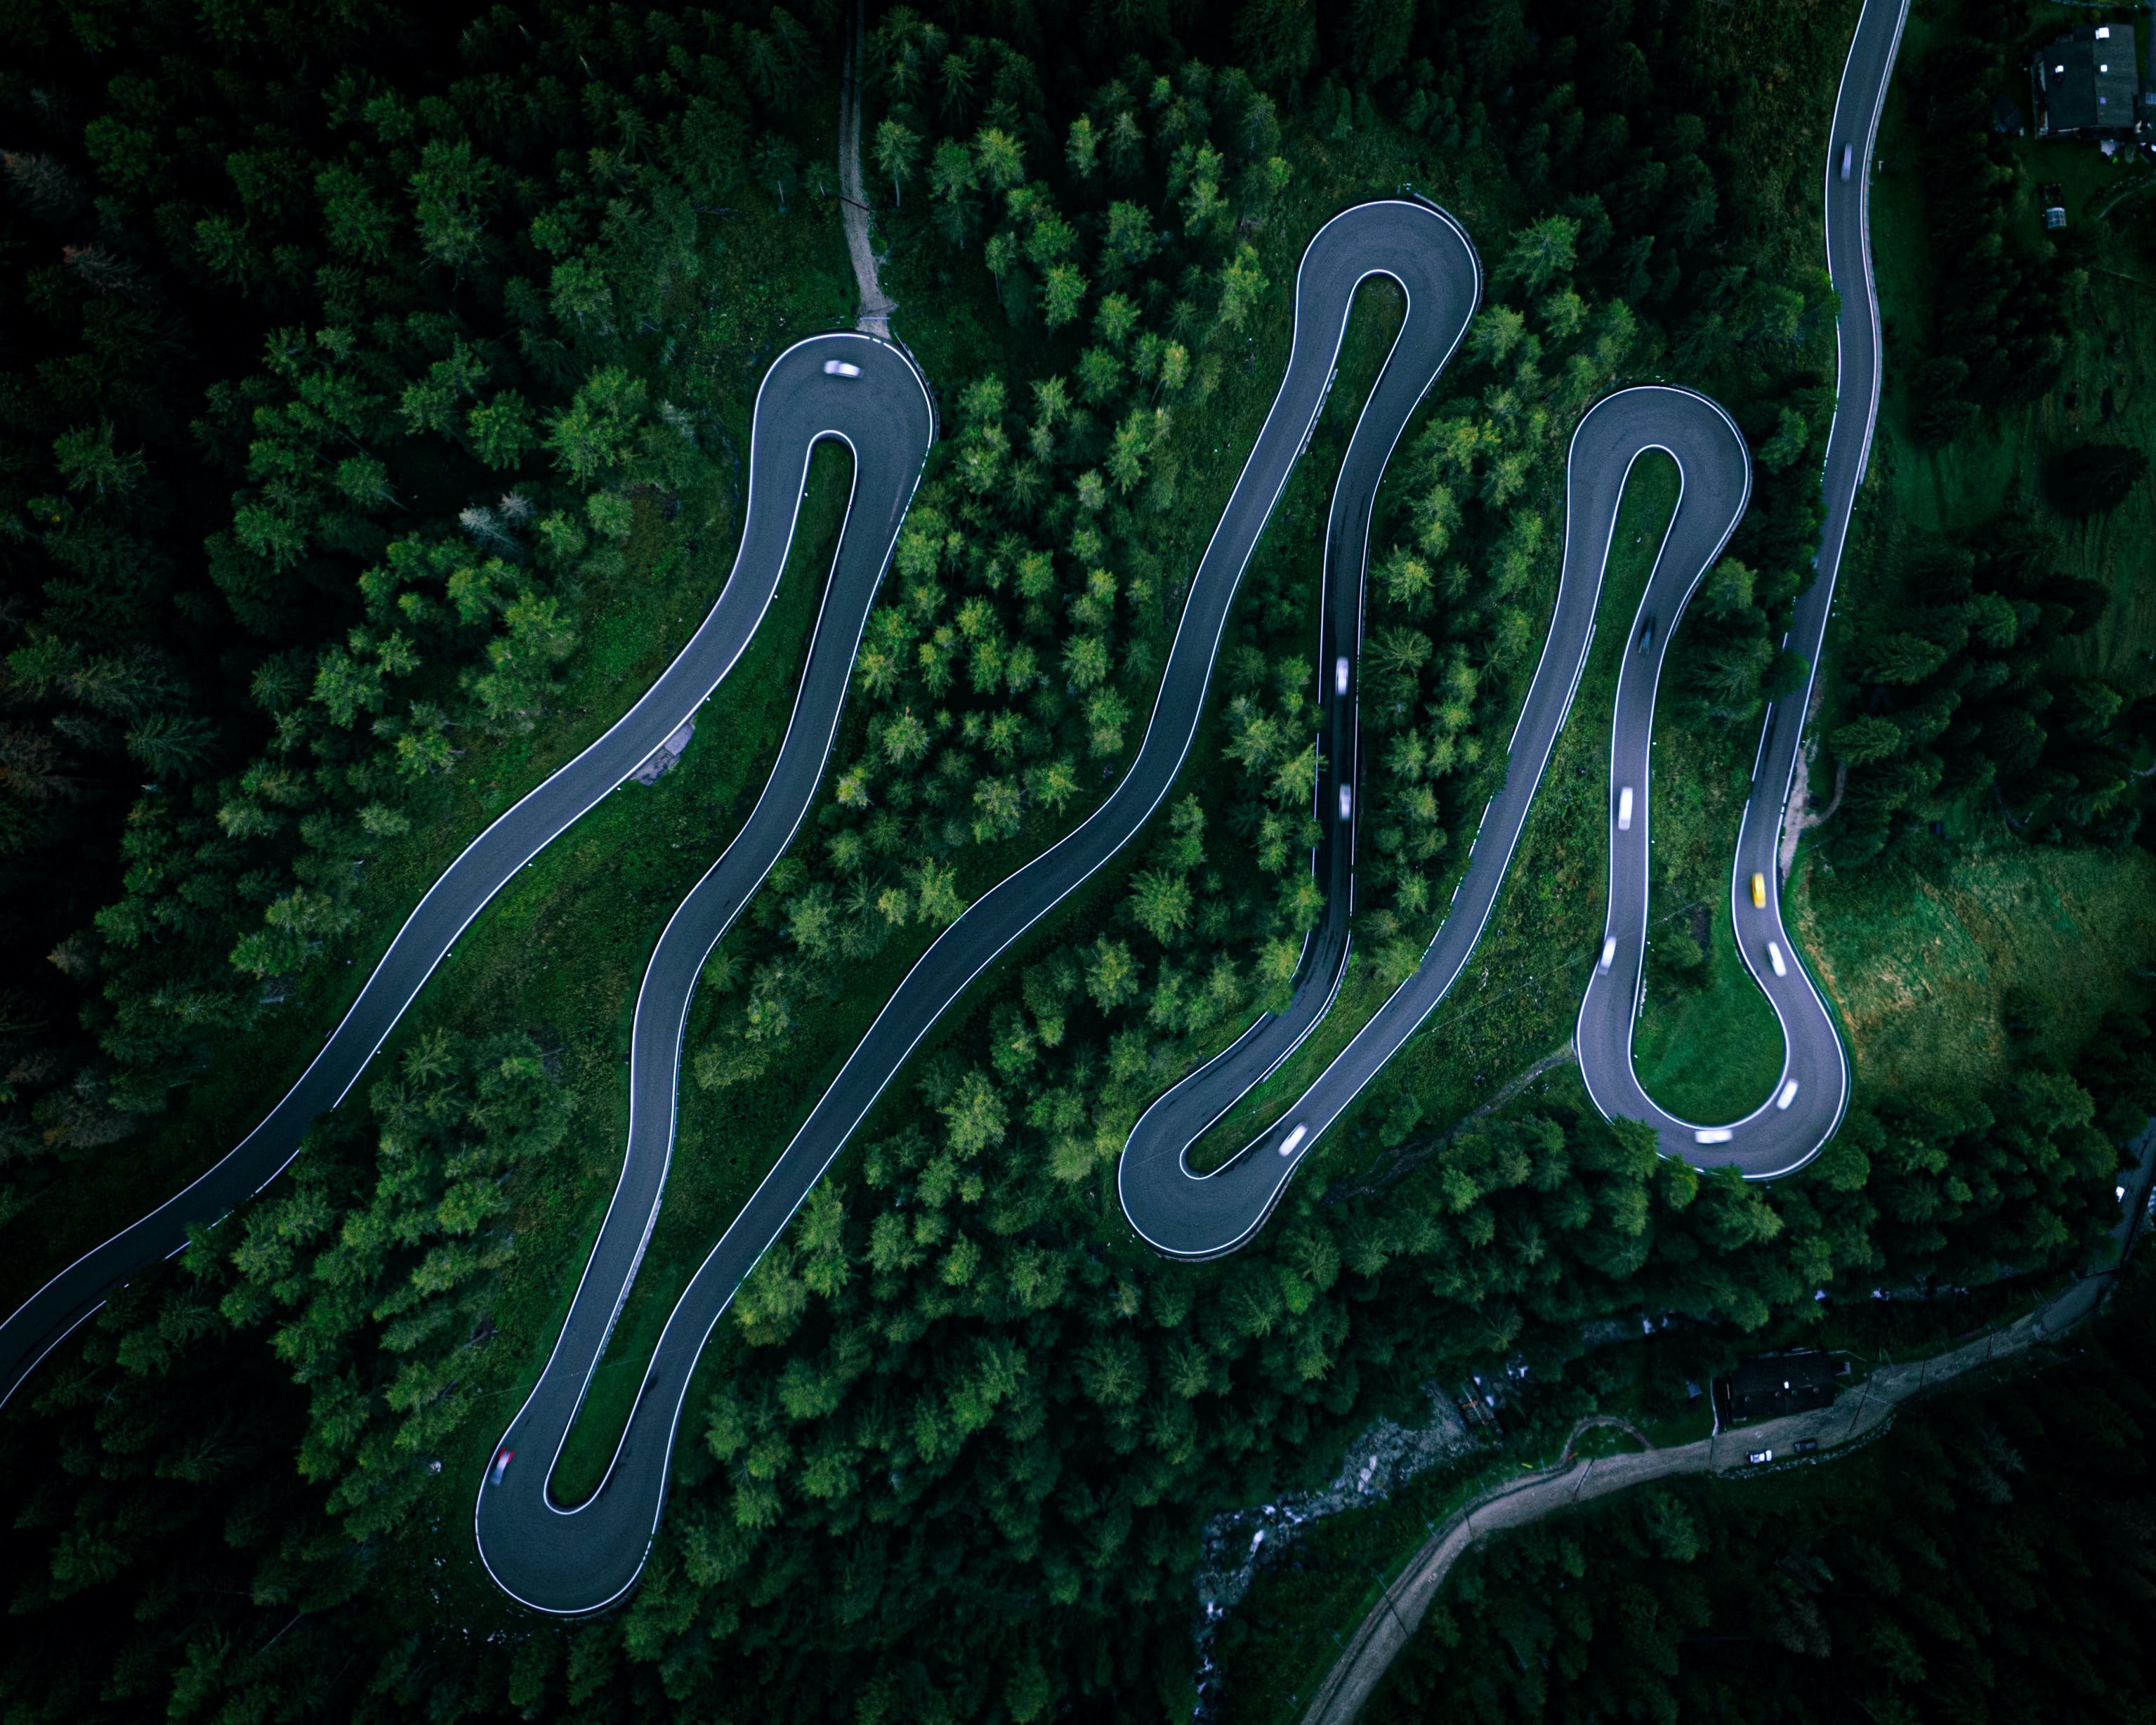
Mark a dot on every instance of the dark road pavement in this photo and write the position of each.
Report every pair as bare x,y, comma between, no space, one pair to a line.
576,1560
886,417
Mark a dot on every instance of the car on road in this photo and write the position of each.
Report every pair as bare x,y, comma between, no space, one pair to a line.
1848,159
1759,892
1646,635
1346,802
1774,958
1624,809
1787,1095
1340,675
841,368
1807,1446
1713,1135
1609,954
502,1458
1759,1458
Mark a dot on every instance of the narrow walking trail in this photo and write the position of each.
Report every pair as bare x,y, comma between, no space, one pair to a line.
876,306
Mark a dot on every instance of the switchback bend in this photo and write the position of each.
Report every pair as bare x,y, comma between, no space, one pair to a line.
574,1560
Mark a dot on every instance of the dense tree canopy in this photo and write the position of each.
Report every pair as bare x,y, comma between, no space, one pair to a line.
328,383
1989,1559
350,354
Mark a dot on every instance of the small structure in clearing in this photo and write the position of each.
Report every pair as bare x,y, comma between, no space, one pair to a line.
1771,1384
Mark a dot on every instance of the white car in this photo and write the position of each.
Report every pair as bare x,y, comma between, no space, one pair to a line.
1624,809
1848,159
1759,1458
1346,802
1609,954
1774,958
841,368
1789,1095
1713,1135
1340,675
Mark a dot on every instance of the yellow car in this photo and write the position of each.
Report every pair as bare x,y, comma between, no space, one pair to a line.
1759,892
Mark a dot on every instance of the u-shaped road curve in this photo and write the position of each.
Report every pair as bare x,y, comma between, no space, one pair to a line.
1186,1214
569,1560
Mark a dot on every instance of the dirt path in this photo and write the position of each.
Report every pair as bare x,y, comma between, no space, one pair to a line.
1370,1654
874,317
1798,817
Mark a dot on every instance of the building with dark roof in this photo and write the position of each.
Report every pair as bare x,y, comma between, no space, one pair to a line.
2087,85
1770,1384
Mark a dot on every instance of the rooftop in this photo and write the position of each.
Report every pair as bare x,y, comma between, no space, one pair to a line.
1774,1383
2087,82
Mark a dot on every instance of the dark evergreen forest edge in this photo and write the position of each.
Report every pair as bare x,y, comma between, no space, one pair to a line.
1989,1558
378,393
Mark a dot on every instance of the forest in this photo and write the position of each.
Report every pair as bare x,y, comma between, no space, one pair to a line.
361,363
1987,1559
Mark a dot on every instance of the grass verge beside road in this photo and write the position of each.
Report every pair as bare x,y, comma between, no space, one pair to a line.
1520,992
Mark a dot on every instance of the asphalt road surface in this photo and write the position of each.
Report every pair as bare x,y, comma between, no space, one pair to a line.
1188,1215
1789,1129
886,417
577,1559
1800,1113
1854,1416
581,1559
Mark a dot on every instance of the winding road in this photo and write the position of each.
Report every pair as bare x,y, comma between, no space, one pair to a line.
886,417
570,1560
575,1560
1186,1214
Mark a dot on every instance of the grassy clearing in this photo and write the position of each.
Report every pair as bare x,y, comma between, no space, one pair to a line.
967,334
1938,960
1928,959
727,1139
625,866
1710,1050
1708,1046
561,955
1933,962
